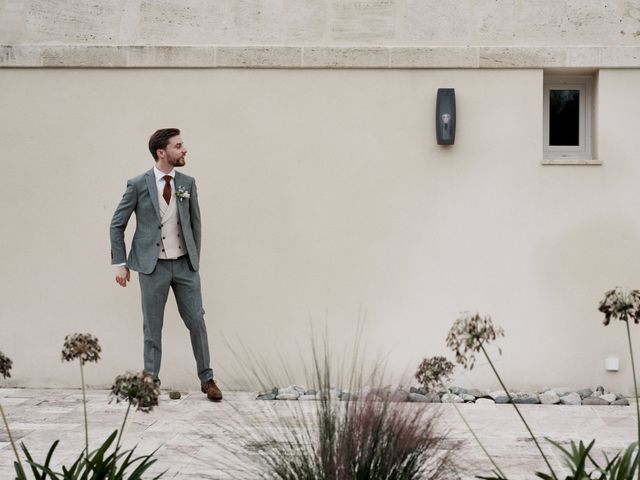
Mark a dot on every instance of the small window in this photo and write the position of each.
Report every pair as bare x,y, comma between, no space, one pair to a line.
567,120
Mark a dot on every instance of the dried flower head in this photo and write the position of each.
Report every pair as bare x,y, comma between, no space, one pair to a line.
468,334
138,388
5,366
433,372
621,304
82,346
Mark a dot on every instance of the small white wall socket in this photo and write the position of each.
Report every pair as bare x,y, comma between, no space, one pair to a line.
612,364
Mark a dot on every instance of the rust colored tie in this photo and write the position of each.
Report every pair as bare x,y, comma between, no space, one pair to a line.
166,193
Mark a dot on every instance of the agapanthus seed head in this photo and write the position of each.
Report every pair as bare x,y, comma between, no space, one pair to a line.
620,304
137,388
5,366
82,346
433,372
468,334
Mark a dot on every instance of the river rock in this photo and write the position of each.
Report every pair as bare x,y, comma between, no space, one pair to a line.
287,396
420,390
620,401
585,392
467,397
594,401
549,398
457,390
485,401
525,398
571,399
499,396
433,397
609,397
399,396
477,393
562,391
292,390
451,398
418,397
266,396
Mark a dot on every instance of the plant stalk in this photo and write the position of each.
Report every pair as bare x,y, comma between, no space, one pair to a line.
635,387
123,425
553,474
13,443
84,405
479,442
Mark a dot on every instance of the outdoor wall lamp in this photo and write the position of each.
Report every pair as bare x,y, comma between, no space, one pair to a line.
446,116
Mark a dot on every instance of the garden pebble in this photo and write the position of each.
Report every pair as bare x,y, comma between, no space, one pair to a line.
562,391
457,390
550,398
499,396
594,401
525,398
485,401
609,397
477,393
451,398
433,397
292,390
399,396
620,401
287,396
571,399
418,397
467,398
585,392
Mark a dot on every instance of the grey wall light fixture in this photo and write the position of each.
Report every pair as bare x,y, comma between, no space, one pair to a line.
446,116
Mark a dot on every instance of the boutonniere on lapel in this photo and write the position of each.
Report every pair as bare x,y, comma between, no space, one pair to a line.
182,193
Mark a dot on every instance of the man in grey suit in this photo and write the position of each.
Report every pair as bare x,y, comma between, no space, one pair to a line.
165,251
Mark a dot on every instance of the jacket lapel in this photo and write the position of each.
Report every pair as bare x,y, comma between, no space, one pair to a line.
153,191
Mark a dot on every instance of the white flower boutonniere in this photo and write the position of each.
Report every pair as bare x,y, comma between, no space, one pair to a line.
182,193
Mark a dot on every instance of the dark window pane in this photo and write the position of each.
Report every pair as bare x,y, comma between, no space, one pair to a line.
564,117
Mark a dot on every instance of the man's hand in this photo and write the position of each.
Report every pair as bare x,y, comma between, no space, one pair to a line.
122,276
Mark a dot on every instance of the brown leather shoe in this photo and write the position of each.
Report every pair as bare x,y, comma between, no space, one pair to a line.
211,389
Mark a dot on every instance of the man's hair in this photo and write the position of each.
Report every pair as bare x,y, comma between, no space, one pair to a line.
160,140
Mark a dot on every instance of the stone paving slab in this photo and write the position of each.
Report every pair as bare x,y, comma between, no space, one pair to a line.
197,439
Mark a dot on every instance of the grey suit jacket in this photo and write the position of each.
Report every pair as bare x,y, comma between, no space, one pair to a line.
141,197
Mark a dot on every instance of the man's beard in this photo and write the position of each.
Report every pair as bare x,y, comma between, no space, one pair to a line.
179,162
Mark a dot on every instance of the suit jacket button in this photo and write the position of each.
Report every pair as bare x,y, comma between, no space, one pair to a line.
157,244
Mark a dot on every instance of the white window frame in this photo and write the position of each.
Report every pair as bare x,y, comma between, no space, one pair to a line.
563,155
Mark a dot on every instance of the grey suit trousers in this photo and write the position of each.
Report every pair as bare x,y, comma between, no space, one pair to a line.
185,282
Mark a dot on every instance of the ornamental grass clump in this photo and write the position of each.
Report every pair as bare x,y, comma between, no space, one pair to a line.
360,433
83,347
624,305
433,372
468,336
5,371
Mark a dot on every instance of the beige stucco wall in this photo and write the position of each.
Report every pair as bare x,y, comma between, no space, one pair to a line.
324,196
321,22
